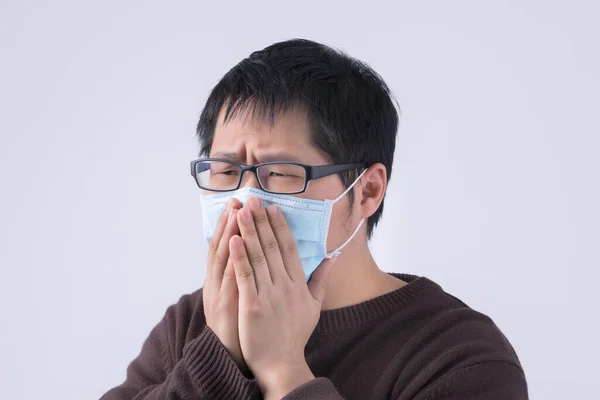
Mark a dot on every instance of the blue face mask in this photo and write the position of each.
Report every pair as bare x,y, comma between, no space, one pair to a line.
307,219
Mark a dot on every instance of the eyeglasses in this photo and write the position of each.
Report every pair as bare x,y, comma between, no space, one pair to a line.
281,177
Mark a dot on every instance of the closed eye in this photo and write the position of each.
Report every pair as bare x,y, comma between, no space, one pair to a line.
227,173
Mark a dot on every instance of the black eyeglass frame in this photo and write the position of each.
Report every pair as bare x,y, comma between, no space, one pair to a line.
311,172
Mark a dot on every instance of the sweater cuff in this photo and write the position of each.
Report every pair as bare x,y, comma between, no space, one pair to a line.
318,388
213,370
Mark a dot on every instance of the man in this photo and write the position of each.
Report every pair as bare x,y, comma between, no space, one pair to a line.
293,305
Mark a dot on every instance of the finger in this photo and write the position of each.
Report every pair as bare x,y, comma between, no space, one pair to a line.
244,273
287,244
213,244
319,281
267,240
229,285
221,257
255,253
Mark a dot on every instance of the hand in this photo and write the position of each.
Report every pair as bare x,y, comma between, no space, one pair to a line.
278,311
220,293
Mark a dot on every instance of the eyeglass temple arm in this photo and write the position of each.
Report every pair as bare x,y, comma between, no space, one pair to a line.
321,171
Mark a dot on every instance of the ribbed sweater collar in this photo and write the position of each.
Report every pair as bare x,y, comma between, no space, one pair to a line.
346,318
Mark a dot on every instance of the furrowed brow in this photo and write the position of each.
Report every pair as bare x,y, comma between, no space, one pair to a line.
228,155
277,156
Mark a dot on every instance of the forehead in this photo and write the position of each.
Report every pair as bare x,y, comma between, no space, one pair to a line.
254,137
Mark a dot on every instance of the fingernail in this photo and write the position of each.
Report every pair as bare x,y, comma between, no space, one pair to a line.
227,205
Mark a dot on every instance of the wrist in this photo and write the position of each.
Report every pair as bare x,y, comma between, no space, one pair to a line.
282,380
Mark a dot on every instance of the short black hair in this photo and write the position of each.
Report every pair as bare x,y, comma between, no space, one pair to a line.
351,112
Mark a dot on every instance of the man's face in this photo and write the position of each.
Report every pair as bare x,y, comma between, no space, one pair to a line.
250,141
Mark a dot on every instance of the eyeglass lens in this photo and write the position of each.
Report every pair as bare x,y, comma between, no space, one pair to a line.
279,178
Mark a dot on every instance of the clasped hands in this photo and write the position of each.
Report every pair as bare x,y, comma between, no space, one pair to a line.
256,298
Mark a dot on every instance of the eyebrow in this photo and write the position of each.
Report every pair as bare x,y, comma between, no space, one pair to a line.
279,156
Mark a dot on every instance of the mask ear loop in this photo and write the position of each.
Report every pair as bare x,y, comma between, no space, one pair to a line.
350,187
337,252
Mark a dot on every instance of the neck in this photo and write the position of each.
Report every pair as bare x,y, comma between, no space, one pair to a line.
356,278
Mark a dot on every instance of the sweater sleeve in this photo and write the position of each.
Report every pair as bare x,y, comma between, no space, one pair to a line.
484,381
317,389
491,380
205,370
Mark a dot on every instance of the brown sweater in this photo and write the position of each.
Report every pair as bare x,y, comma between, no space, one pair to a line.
416,342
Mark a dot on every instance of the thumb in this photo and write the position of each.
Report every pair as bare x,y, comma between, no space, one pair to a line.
319,281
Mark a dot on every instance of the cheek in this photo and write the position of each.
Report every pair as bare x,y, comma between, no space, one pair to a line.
328,187
341,224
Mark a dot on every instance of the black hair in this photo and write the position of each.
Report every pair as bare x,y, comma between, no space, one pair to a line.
351,112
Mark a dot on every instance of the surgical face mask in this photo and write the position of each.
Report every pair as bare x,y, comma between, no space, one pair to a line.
307,219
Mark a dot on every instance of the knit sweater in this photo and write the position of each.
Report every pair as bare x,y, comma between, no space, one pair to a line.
417,342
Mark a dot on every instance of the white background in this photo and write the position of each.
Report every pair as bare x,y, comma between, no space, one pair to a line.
494,191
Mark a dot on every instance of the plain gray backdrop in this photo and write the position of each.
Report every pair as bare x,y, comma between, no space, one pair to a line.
494,193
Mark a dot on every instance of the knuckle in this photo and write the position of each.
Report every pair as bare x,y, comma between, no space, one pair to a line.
271,245
257,258
213,244
254,311
261,218
289,247
255,308
245,274
220,258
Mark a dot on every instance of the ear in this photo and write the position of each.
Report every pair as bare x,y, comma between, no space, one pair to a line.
372,188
